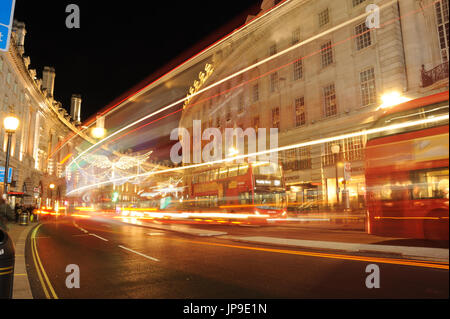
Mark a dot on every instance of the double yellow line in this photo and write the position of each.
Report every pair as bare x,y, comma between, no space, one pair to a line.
6,270
43,278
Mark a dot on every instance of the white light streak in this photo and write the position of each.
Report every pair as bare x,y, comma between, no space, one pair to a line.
284,148
225,79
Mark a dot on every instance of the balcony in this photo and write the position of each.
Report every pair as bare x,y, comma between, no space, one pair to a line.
434,75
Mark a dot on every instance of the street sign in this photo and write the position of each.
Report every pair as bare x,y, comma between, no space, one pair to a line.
6,19
2,171
347,171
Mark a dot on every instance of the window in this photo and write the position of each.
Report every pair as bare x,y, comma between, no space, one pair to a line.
295,36
233,171
367,83
223,173
357,2
255,92
276,117
273,82
243,169
327,54
441,7
273,49
300,117
431,183
353,148
363,38
329,96
329,158
298,69
324,17
297,159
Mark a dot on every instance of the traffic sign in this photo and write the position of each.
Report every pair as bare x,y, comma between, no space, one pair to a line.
2,171
6,19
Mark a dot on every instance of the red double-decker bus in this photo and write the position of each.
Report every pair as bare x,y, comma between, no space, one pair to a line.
256,189
407,171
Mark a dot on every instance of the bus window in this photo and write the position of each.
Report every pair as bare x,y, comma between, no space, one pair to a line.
223,173
232,171
214,174
430,184
243,169
244,198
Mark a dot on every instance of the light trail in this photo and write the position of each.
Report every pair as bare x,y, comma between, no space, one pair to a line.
245,70
283,148
119,104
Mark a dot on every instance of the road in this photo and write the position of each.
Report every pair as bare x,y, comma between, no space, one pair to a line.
118,260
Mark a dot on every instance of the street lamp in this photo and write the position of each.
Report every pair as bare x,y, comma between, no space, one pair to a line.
11,123
335,149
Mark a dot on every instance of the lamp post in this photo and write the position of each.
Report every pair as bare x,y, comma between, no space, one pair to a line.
335,149
11,123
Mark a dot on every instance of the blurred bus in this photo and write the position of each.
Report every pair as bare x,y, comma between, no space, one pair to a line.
257,189
407,172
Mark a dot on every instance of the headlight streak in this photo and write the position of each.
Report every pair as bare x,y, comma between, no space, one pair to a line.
283,148
250,68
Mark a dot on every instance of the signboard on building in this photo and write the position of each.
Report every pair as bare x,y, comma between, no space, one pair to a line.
6,19
2,174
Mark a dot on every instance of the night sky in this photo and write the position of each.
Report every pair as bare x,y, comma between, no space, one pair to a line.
121,47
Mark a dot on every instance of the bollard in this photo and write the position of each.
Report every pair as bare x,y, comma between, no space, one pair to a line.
7,256
23,219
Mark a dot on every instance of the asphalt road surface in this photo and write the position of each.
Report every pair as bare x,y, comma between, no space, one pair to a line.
117,260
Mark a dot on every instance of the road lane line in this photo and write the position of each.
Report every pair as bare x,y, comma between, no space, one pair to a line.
138,253
39,264
416,263
44,287
99,237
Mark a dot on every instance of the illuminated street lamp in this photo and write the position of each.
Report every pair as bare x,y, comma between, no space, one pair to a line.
392,98
11,123
335,149
99,130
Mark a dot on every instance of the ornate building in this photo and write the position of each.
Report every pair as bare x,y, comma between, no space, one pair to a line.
44,123
314,70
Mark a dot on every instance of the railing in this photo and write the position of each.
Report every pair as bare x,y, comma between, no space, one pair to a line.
436,74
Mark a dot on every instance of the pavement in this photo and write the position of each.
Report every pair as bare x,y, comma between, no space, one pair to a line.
339,240
18,233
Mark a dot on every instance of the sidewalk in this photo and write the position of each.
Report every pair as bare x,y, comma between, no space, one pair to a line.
18,233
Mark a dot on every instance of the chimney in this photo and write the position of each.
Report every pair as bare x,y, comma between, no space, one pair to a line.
19,31
48,80
75,107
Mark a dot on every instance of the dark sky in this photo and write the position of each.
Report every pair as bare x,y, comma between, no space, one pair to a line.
121,45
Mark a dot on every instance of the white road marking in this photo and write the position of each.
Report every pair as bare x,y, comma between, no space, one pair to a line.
138,253
155,234
99,237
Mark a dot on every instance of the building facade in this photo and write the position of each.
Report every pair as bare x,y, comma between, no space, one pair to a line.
313,69
44,124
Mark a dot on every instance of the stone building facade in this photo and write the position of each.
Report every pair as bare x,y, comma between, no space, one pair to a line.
327,77
44,124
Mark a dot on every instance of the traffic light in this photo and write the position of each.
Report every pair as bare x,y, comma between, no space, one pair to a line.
115,197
